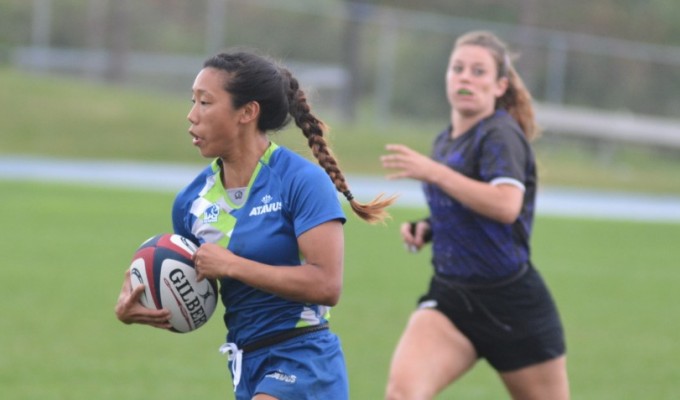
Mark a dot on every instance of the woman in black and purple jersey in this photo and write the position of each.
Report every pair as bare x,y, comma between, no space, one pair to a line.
485,299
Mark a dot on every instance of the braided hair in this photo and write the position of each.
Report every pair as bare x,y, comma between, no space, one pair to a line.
255,78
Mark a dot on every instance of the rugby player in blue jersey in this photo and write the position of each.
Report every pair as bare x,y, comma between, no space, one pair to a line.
485,299
270,228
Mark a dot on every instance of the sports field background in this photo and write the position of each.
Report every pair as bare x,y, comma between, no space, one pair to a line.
65,247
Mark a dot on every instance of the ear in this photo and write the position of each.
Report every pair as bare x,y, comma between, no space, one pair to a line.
250,112
501,86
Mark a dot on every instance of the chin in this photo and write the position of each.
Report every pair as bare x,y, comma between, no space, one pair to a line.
206,154
468,111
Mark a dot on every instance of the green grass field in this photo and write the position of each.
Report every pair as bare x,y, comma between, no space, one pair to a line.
65,249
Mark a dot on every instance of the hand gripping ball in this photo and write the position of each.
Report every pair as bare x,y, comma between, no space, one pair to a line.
163,264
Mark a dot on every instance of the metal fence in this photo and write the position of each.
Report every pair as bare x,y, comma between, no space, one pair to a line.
396,59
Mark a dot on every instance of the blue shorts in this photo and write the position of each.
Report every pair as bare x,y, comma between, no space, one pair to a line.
307,367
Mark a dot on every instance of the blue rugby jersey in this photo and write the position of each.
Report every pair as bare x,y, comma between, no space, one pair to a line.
286,196
465,244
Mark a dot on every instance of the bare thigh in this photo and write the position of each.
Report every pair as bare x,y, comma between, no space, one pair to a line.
263,396
547,380
430,355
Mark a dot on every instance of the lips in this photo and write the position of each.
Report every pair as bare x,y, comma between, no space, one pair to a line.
195,140
464,92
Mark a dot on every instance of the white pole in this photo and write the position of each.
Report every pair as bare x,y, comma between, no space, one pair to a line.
41,26
215,25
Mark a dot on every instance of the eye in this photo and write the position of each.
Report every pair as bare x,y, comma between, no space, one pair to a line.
457,69
478,71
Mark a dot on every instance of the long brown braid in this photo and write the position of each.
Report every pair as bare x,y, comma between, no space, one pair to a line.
314,129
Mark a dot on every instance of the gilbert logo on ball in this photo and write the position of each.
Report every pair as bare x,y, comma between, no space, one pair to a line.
163,264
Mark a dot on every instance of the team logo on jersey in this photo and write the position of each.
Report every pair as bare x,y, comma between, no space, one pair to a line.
266,207
211,214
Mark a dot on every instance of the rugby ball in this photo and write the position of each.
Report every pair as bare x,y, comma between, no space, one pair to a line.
163,264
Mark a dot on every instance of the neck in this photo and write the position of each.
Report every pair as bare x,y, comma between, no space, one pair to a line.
462,123
238,167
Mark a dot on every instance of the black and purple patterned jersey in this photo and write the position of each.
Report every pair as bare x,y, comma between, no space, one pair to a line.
466,245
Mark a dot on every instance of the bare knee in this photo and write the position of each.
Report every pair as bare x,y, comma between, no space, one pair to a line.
547,380
406,389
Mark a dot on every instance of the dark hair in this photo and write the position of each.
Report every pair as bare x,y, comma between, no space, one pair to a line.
252,77
516,99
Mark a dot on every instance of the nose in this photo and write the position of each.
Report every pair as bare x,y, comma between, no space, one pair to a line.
465,74
192,114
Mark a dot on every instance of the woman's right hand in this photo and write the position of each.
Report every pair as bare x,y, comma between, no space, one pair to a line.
407,163
130,310
414,235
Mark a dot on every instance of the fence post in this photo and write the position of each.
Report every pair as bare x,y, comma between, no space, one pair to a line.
556,70
385,66
41,26
215,21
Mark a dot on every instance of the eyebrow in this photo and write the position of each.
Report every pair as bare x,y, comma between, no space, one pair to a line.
203,92
470,65
461,61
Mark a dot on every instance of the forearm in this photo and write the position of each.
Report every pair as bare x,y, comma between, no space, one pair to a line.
318,280
306,283
500,203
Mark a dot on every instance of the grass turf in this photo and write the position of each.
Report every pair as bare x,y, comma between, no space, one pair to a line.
65,248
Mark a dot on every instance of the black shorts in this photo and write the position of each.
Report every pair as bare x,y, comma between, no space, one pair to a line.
512,325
